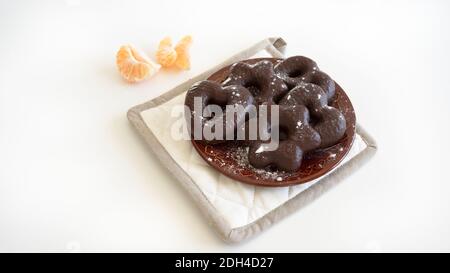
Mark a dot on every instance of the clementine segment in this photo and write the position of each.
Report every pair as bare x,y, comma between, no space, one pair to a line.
166,54
182,48
133,65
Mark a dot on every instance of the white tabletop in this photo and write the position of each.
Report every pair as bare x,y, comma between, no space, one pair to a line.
75,176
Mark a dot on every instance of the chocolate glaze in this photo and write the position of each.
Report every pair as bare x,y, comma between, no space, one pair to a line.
302,91
299,69
327,121
213,93
259,79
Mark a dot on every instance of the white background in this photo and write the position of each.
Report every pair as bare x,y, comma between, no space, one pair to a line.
75,176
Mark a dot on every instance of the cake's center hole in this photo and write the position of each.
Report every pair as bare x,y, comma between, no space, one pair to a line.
297,73
211,111
314,119
278,97
253,87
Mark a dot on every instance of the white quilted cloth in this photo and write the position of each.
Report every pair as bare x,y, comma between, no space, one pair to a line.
240,204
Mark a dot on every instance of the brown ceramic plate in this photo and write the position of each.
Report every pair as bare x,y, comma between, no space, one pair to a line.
231,158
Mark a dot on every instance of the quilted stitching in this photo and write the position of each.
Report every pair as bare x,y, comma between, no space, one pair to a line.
239,203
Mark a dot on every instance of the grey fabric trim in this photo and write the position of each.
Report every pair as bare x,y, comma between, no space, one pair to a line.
312,193
275,46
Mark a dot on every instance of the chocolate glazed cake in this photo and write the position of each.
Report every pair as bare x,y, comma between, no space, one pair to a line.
316,121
